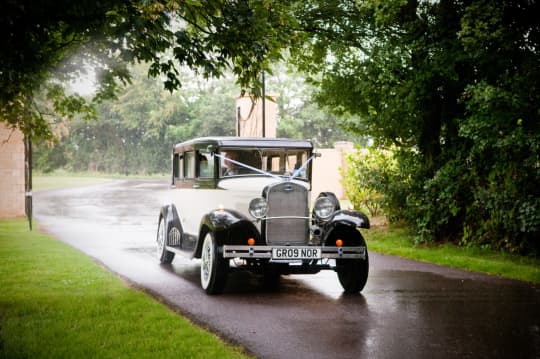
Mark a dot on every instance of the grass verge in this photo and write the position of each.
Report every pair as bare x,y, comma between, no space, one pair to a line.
43,183
397,241
63,179
57,303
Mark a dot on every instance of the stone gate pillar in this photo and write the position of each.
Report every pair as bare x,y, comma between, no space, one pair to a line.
249,119
11,173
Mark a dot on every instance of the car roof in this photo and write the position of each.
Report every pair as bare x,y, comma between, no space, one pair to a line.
244,142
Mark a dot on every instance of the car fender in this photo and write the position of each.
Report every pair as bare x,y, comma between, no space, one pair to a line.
170,215
228,227
343,225
349,218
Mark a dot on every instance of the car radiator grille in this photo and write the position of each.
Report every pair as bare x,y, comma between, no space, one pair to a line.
287,200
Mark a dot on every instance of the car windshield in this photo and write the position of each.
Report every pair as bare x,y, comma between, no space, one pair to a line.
280,162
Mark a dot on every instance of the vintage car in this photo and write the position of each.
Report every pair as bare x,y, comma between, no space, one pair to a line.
244,204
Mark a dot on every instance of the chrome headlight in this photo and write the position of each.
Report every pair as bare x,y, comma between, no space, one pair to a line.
258,207
324,208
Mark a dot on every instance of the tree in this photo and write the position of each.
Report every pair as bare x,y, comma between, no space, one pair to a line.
454,85
134,133
298,115
207,36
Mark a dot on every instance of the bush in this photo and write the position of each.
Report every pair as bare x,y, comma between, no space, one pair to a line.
481,194
367,177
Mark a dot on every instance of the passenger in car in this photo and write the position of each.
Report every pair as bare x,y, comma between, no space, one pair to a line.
229,168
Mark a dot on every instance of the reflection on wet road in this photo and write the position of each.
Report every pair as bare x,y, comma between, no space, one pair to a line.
407,310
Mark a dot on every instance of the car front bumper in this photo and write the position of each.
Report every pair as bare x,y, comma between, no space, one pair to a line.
235,251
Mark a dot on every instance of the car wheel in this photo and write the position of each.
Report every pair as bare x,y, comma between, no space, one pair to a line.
214,268
353,273
163,254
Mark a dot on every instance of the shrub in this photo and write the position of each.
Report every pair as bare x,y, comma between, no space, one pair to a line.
366,177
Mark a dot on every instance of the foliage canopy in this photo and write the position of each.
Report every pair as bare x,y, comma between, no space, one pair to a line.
207,36
134,133
453,85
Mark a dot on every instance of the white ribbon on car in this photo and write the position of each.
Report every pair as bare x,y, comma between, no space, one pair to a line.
247,166
289,178
303,167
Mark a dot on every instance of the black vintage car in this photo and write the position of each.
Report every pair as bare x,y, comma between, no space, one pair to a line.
244,204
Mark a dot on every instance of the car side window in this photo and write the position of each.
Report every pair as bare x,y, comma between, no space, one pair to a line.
295,162
180,166
273,163
189,165
176,168
206,165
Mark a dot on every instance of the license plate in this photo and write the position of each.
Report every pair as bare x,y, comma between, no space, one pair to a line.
296,253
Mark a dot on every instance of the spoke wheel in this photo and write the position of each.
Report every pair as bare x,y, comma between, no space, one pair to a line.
214,268
163,254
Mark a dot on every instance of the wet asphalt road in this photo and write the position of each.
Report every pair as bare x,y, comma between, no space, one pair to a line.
407,310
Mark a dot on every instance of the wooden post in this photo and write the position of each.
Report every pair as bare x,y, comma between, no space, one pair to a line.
263,107
28,179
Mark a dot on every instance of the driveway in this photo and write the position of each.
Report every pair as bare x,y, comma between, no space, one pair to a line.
407,309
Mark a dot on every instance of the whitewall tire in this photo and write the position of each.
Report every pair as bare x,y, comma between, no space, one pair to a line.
163,254
214,268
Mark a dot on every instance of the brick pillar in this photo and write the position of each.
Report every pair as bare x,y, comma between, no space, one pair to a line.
327,169
11,173
249,117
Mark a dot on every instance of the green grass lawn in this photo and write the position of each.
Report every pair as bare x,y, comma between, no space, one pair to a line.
57,303
397,241
62,179
43,183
